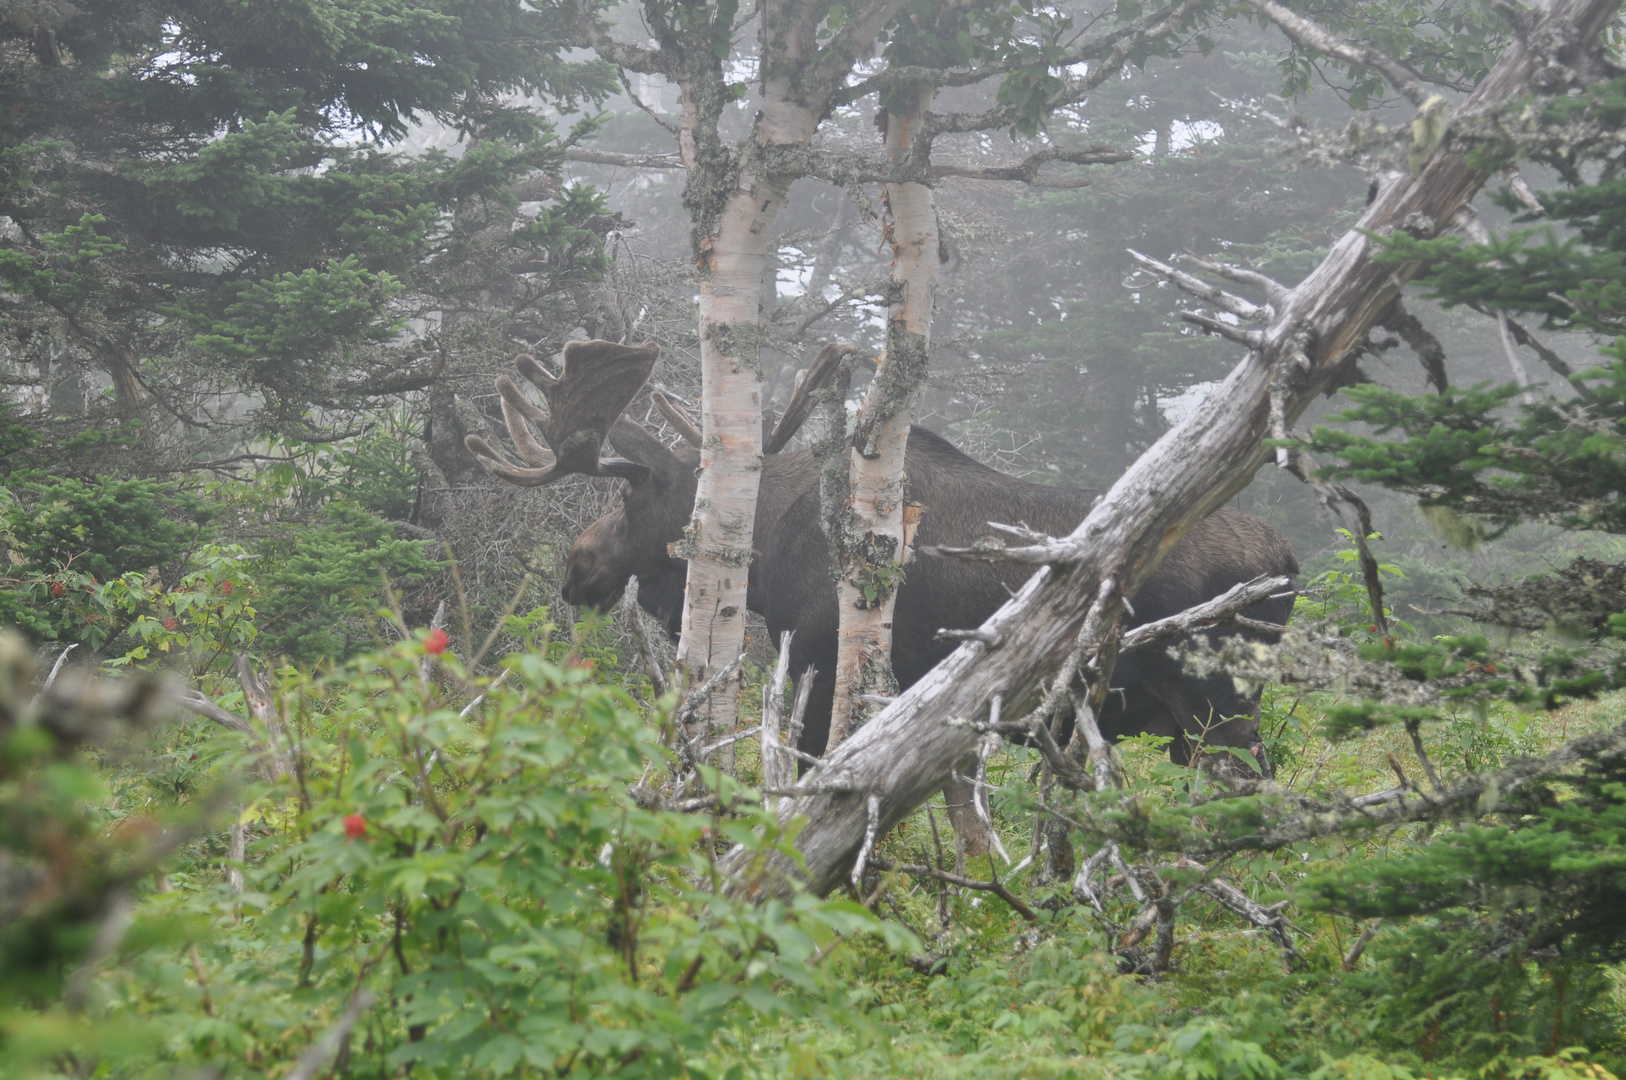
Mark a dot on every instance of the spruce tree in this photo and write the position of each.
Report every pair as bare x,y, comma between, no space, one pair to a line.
204,200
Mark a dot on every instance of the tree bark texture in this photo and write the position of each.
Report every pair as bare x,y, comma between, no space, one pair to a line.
878,524
901,756
731,246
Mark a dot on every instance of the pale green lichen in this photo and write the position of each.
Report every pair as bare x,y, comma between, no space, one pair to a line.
740,341
731,556
686,548
902,372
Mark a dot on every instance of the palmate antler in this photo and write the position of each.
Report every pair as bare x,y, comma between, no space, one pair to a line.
598,381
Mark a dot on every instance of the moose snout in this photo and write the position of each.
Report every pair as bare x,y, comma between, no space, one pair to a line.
589,585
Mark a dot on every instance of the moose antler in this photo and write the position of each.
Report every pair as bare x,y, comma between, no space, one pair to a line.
677,418
808,380
775,434
598,381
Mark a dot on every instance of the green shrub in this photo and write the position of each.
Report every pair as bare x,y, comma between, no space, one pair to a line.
485,886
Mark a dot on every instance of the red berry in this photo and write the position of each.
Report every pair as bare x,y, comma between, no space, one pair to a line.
169,623
57,588
436,642
355,827
225,590
1373,629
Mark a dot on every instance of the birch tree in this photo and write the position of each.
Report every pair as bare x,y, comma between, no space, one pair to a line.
1300,339
810,58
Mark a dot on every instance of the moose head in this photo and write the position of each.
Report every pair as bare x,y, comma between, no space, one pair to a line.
598,381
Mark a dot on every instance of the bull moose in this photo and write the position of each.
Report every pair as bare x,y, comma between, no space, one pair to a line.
791,583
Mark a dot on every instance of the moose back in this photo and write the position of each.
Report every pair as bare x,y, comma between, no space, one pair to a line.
791,581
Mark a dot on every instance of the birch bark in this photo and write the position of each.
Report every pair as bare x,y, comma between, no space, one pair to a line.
879,523
731,251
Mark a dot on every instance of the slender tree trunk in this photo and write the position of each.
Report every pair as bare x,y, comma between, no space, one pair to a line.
899,758
879,523
731,242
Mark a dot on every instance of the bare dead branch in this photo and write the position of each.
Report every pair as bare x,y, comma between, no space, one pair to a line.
1268,919
698,696
480,698
1422,757
848,294
1368,932
1236,305
323,1049
1524,337
1274,291
257,696
776,771
995,886
236,854
1527,198
1251,339
56,669
194,701
1223,608
988,637
868,847
672,129
649,655
798,713
1026,171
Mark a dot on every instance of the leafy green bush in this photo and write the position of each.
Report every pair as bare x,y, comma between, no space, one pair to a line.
478,891
69,538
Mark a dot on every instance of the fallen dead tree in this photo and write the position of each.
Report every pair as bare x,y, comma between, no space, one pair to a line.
1067,615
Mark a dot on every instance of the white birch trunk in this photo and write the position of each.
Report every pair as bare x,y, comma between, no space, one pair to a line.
878,523
718,541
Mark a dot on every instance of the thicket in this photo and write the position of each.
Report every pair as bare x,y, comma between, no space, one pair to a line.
402,864
446,853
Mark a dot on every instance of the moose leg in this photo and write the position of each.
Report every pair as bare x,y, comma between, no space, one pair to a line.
971,837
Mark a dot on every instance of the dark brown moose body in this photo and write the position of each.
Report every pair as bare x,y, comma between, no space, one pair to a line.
791,582
957,498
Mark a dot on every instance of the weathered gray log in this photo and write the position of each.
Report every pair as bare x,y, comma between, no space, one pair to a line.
903,755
